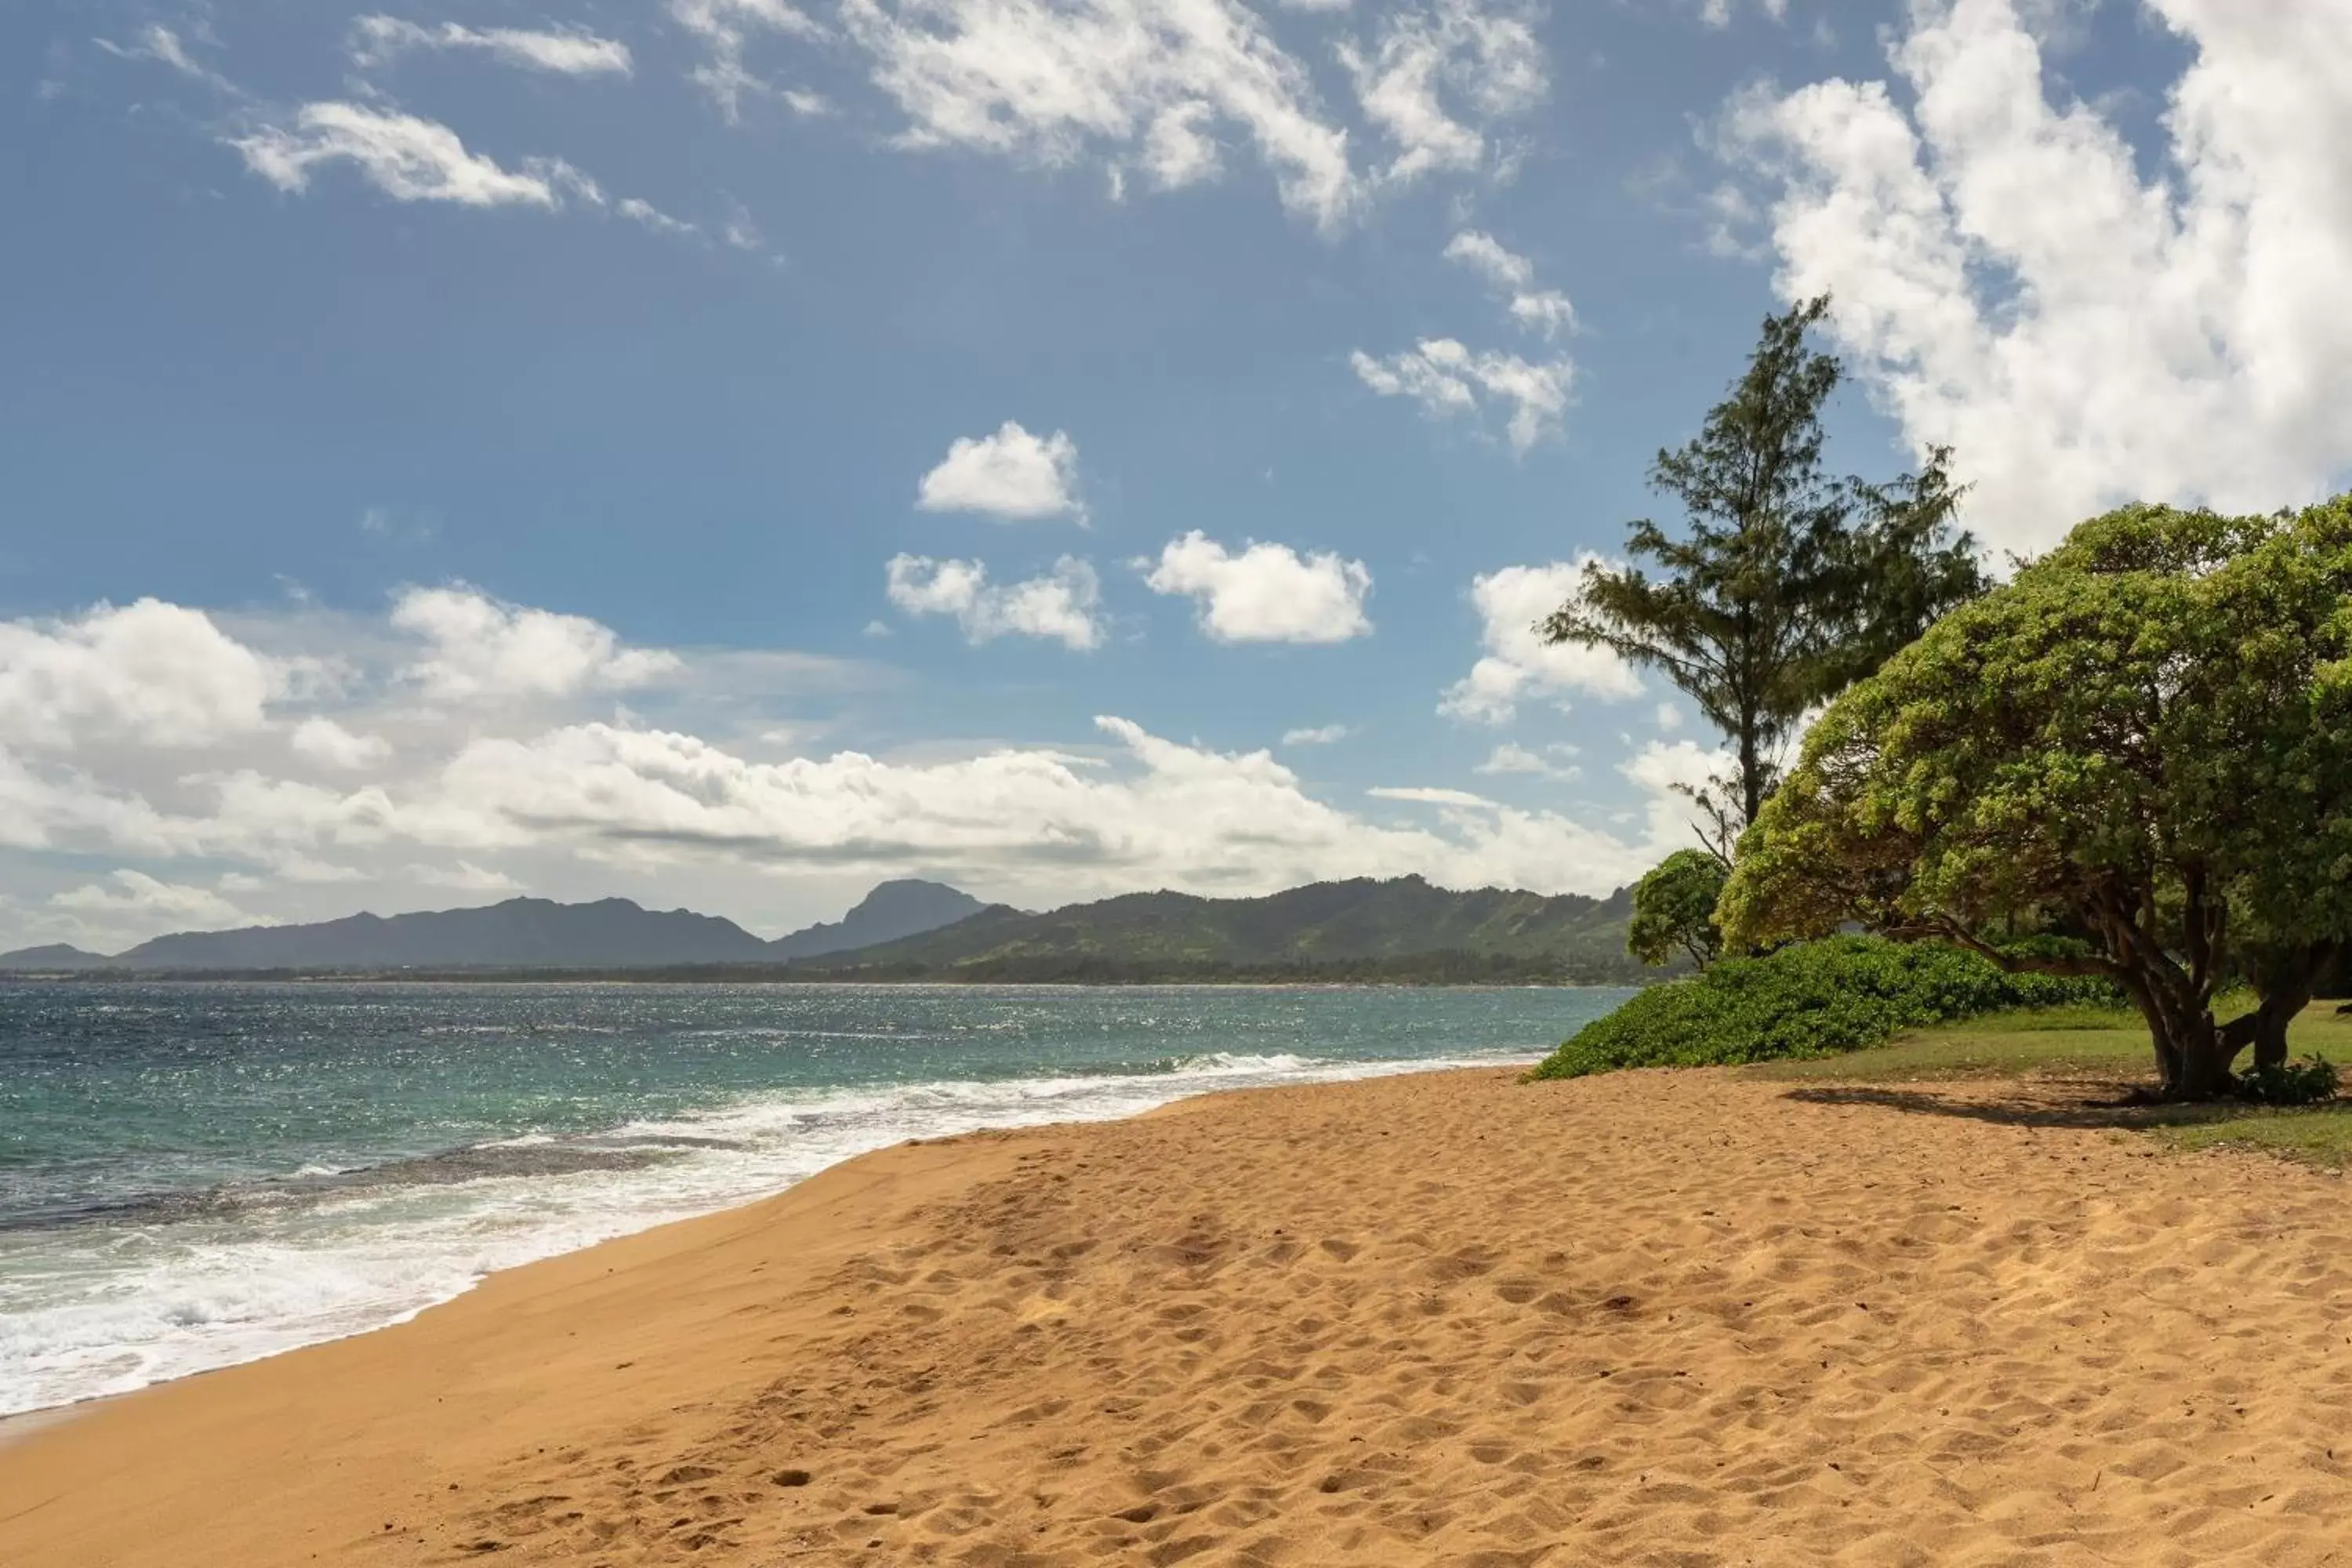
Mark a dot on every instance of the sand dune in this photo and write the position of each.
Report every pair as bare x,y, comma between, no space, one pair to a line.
1673,1319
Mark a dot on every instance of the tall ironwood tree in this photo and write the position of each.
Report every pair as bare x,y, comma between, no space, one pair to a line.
1784,586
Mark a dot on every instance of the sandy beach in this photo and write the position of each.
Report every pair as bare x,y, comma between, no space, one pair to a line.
1442,1320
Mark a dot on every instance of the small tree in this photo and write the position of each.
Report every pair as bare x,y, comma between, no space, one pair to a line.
1785,585
2132,757
1673,910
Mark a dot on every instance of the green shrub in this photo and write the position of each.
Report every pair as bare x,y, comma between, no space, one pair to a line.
1813,999
2308,1082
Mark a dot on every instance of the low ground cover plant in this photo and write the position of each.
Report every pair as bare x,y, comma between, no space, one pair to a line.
1813,999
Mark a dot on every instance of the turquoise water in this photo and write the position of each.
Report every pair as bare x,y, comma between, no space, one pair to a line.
194,1175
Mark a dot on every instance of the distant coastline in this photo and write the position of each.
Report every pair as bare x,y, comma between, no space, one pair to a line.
1400,931
1442,968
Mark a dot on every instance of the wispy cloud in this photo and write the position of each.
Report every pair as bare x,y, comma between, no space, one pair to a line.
380,40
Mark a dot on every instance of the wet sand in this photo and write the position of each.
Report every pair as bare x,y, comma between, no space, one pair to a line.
1448,1319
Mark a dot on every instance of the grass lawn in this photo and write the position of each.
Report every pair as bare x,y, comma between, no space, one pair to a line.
2072,1042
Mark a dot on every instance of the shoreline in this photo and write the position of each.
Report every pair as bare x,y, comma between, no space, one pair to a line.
393,1314
1441,1318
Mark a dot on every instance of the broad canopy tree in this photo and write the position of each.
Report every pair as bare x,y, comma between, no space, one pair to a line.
1784,586
2133,762
1673,910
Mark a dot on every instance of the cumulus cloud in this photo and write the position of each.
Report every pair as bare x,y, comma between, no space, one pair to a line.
1518,665
148,672
206,763
407,158
1164,88
1551,762
1268,592
1011,474
1665,767
2008,281
380,41
1512,275
466,877
479,648
1159,814
134,904
1447,379
322,740
1146,82
1436,75
1321,735
1059,606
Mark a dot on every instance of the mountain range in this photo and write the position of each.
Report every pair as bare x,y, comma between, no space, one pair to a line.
523,934
1400,928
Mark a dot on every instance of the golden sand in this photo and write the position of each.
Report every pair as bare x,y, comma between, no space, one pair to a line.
1449,1320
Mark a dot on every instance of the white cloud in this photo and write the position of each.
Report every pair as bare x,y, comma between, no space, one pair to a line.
466,877
1423,795
1059,607
148,672
807,105
1718,12
380,41
164,762
1519,666
1158,814
1512,275
406,158
2009,283
1142,81
646,216
137,905
1551,762
322,740
483,649
1438,74
1011,474
725,29
1323,735
1268,592
1662,767
1669,718
162,46
1446,379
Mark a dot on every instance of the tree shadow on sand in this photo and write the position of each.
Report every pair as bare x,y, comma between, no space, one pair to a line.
2102,1104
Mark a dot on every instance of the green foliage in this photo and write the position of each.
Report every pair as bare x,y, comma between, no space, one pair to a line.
2139,752
1673,910
1785,585
1814,999
2311,1081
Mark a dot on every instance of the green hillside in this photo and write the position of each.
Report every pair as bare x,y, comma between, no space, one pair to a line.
1403,929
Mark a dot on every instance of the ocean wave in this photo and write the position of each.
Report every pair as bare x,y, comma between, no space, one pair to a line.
164,1286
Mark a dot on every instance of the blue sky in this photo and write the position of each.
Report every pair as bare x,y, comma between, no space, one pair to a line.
463,448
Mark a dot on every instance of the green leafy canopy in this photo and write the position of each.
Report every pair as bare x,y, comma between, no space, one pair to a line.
1673,910
2132,762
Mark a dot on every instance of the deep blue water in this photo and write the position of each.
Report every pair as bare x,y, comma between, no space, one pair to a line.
197,1174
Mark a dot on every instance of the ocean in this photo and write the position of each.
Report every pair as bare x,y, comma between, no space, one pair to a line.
194,1175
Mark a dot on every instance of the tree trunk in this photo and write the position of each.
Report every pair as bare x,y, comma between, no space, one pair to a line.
2285,985
1751,774
2191,1055
2278,1010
